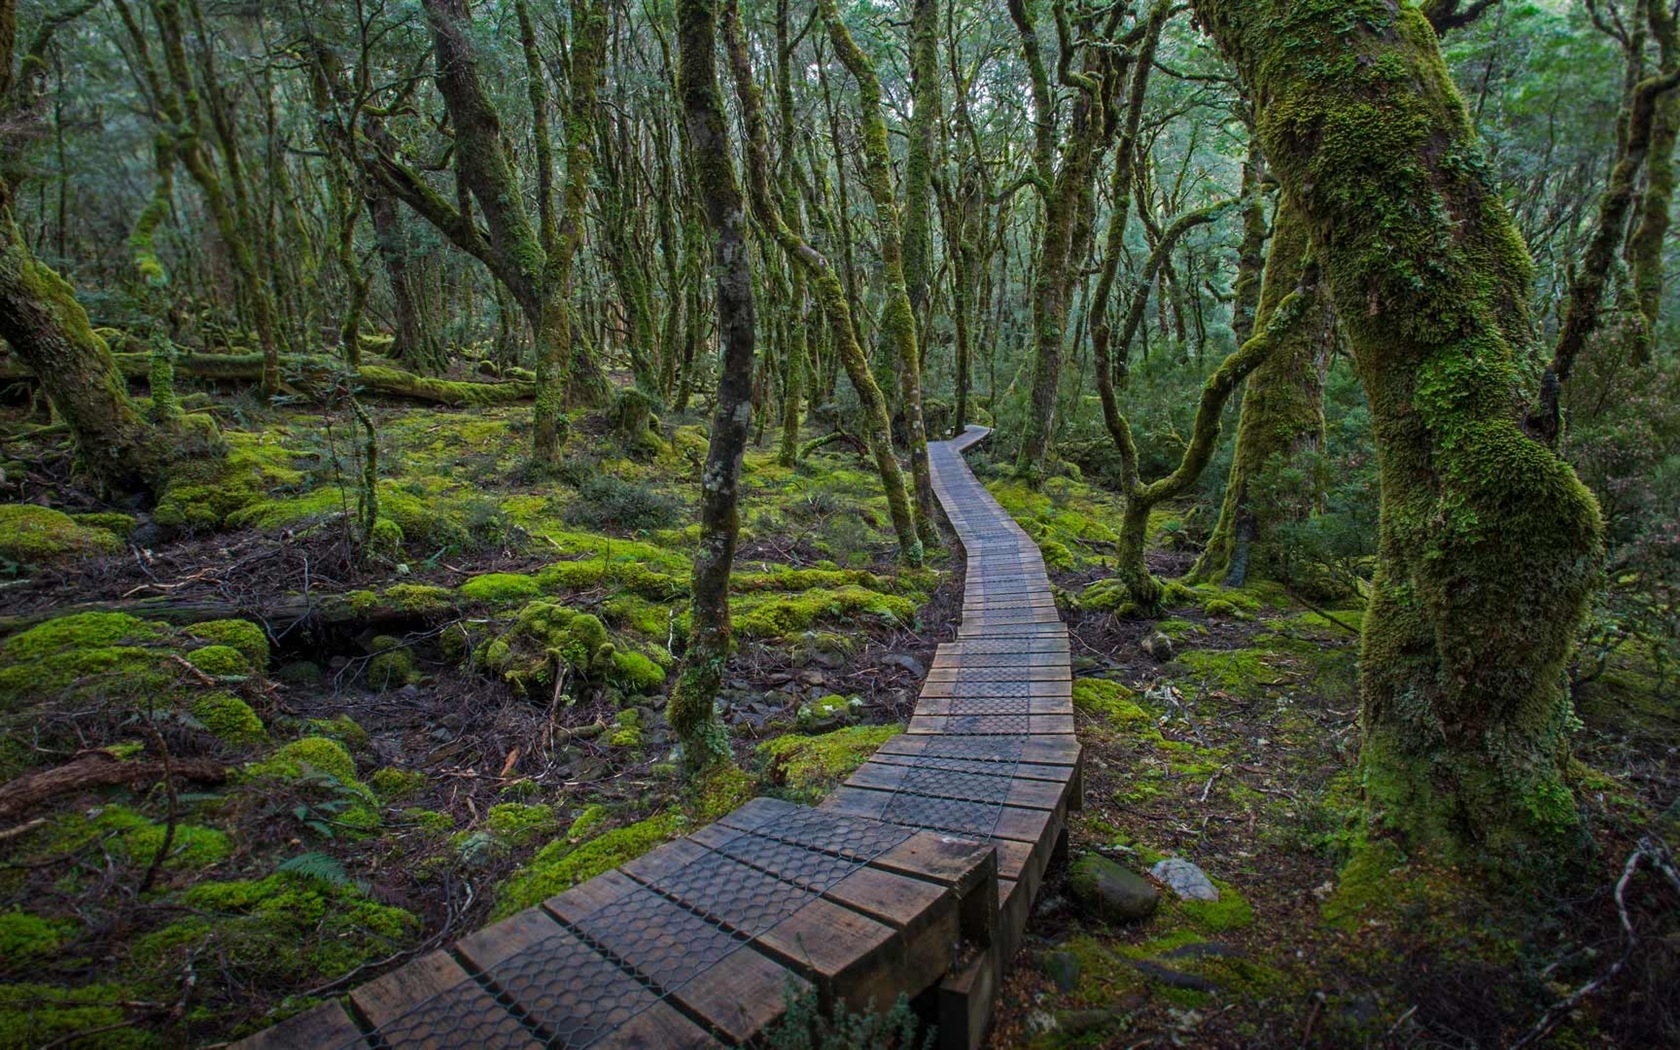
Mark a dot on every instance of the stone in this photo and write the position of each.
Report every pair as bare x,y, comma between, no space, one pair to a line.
1158,646
1188,881
1062,968
1111,892
1173,978
908,662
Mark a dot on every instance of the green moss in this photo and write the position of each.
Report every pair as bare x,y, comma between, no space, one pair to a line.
585,823
1178,630
220,661
386,539
26,939
1229,912
202,493
765,616
546,632
136,838
311,755
500,588
119,525
429,821
718,793
107,655
635,673
391,665
419,599
1219,608
291,928
814,763
34,535
1242,672
805,579
1109,701
559,866
229,719
397,785
36,1015
517,824
637,614
634,577
341,728
243,635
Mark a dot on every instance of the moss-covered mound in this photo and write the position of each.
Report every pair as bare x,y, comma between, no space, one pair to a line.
31,535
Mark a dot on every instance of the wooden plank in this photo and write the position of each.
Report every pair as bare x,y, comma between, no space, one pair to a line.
326,1027
431,1004
708,974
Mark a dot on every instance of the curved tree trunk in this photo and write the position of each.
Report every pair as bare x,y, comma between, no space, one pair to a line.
1489,545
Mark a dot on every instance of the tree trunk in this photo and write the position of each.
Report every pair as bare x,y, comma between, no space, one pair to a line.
1489,545
898,318
49,334
691,708
1645,245
830,293
1282,416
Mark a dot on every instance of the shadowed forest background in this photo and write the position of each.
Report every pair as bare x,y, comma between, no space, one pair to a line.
448,449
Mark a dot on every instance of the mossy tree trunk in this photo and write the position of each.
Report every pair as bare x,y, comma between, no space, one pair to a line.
46,327
796,351
1142,496
691,707
1584,306
826,285
1068,190
1282,415
1489,545
898,317
533,259
1645,244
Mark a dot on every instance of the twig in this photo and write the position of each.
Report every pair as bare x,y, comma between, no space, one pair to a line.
1557,1011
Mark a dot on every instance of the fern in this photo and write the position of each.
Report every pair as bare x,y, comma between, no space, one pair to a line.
319,866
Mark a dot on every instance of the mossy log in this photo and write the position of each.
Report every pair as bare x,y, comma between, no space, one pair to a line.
374,379
97,769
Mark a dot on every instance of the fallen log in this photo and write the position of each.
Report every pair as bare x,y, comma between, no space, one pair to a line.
97,769
377,380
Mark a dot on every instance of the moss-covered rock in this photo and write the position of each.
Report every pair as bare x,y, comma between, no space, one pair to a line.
109,655
32,535
220,661
242,635
391,665
815,763
635,673
397,785
202,493
229,719
37,1015
310,756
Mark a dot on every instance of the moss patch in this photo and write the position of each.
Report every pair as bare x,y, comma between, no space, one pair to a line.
32,535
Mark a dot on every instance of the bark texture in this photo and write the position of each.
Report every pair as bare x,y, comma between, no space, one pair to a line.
1489,545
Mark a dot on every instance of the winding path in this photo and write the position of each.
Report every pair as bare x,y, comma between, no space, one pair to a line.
915,877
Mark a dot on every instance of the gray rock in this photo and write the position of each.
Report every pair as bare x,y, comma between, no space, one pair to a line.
1111,892
908,662
1158,646
1062,968
1186,880
1173,978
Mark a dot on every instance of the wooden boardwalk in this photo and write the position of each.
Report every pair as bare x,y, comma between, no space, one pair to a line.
914,877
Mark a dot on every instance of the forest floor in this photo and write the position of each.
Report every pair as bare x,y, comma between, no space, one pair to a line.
406,743
1238,753
394,747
